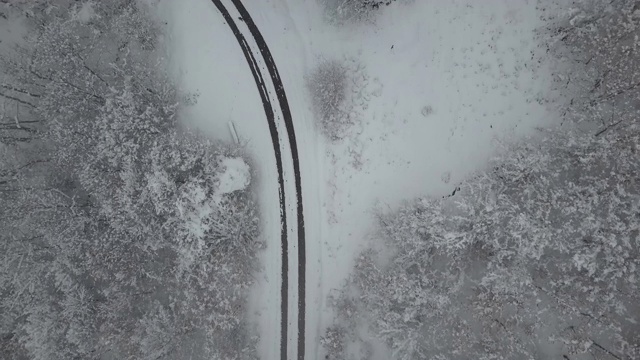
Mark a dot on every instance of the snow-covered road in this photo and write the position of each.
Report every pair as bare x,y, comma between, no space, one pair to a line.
278,115
270,135
436,85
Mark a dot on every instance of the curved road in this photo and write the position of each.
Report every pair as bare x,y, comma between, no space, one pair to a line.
276,83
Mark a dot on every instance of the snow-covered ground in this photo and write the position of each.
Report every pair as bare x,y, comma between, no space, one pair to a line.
435,84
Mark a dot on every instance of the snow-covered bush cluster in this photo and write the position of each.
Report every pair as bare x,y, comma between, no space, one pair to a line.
344,11
123,235
539,256
328,87
336,91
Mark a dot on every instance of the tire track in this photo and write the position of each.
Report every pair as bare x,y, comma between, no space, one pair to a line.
268,109
286,111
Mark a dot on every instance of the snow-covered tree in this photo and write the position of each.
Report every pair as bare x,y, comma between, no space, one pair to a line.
537,257
546,241
596,43
123,235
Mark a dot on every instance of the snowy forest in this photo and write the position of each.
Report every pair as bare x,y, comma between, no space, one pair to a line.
123,235
126,233
538,255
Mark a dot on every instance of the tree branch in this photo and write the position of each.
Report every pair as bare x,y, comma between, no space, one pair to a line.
11,139
17,99
607,128
21,122
620,91
94,73
64,82
613,113
21,128
605,350
16,89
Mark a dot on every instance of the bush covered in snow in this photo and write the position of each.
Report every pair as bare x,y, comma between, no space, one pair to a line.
538,256
342,11
123,236
329,88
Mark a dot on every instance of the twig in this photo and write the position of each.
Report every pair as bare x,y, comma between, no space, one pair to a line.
610,126
620,91
501,324
94,73
25,129
22,122
565,304
607,128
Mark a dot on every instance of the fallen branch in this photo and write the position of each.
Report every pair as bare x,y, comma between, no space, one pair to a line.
21,128
13,140
21,122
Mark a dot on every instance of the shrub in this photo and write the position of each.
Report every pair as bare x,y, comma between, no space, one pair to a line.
333,342
342,11
328,86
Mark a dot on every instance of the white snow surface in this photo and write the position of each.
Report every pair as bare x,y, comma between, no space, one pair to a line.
235,176
437,86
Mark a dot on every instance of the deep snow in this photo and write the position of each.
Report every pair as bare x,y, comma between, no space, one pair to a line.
437,85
